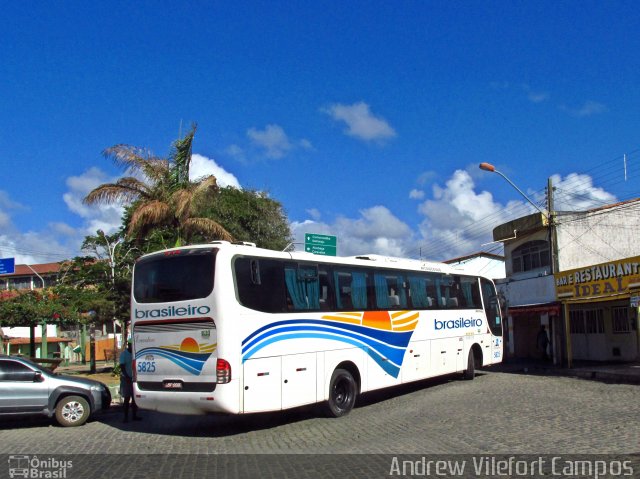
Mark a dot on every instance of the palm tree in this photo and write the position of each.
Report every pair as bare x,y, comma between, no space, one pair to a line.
160,193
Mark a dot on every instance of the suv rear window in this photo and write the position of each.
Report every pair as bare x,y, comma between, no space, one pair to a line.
174,276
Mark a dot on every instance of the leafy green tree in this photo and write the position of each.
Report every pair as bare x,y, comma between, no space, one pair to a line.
159,194
251,215
103,278
32,308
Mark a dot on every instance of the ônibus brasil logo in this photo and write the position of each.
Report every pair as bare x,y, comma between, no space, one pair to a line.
173,311
458,323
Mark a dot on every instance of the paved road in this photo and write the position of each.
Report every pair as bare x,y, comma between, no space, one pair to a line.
497,413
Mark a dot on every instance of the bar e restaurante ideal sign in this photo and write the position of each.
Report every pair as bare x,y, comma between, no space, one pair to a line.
605,279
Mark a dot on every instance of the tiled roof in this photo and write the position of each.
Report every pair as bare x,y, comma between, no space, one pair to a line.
38,340
24,270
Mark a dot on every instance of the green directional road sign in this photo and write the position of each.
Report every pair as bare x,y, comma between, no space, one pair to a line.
320,244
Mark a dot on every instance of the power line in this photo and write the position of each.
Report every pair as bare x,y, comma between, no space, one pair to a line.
606,176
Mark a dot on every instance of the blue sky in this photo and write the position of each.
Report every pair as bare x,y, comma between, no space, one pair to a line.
366,120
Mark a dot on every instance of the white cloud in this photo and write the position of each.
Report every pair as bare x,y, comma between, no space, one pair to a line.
376,230
4,219
273,140
589,108
105,217
576,192
305,144
535,96
315,214
457,220
8,203
416,194
45,246
236,152
54,242
203,166
361,123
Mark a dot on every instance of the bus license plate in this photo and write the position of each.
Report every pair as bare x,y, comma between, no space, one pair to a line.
172,384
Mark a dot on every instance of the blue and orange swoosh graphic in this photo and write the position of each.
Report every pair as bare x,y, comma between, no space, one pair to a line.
191,361
383,336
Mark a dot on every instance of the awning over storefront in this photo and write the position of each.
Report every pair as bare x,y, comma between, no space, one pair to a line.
553,309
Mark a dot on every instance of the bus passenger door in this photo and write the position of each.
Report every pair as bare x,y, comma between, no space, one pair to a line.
298,380
262,386
496,349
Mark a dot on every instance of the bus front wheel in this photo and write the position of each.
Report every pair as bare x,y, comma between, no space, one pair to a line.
470,372
342,393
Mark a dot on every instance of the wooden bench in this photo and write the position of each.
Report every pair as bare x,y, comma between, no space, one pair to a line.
50,363
109,354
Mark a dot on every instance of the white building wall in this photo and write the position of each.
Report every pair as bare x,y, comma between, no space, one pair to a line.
598,236
23,332
536,290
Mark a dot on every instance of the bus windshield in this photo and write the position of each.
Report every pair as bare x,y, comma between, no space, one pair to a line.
170,277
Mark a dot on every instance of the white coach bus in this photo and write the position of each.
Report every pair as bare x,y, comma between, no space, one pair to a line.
232,328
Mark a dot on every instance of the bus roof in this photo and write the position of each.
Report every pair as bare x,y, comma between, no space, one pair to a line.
363,260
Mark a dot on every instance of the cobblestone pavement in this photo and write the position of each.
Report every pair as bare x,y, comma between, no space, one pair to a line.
497,413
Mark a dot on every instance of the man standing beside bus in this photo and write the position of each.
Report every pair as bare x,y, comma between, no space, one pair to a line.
126,382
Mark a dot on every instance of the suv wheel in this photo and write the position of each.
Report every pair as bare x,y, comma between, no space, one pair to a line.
72,411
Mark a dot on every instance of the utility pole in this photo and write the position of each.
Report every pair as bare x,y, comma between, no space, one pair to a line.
553,241
555,266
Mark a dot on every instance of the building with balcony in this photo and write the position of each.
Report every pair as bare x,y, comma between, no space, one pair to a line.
576,274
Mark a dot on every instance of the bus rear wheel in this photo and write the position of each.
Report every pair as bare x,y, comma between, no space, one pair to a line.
343,390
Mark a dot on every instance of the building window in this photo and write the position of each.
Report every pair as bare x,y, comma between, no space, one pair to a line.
594,321
20,283
577,322
620,320
587,321
530,256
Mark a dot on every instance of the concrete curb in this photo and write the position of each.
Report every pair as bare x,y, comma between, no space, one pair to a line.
604,373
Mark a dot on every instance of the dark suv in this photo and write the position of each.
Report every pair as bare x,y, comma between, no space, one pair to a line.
29,389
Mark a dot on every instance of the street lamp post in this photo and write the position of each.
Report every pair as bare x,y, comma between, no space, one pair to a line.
551,225
111,249
489,167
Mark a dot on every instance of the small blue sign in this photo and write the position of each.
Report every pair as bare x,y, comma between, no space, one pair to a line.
7,265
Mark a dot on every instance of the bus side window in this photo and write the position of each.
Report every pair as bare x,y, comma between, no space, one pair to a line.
390,291
268,294
384,299
342,282
303,287
470,293
255,272
420,292
455,299
326,303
